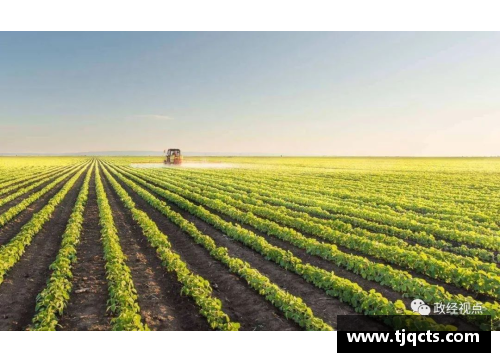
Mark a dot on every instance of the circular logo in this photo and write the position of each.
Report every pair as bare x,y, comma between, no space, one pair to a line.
424,310
415,305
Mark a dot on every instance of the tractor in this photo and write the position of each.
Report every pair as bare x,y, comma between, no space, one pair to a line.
173,157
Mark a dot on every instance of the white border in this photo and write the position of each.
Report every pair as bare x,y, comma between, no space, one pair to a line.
199,346
195,15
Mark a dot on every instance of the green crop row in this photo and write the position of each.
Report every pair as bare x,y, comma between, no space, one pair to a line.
28,188
16,209
26,180
292,307
52,301
304,212
290,200
398,201
400,221
11,252
370,207
11,177
385,275
369,303
479,281
194,286
122,300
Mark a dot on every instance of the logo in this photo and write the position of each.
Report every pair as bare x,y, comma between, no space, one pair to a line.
420,307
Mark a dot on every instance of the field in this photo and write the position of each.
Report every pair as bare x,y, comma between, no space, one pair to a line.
262,244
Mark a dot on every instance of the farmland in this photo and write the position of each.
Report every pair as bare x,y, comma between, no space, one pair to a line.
265,243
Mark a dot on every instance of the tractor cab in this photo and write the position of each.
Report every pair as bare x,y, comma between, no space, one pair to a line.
173,157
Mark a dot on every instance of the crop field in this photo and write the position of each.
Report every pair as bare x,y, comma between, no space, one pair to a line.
270,243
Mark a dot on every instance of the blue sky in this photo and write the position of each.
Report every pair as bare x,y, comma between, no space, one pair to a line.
406,94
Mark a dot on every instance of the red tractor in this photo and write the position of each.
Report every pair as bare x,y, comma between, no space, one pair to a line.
173,157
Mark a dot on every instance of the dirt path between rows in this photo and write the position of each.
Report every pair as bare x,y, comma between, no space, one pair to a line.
240,302
450,288
9,230
323,306
159,293
367,285
18,199
28,277
86,309
389,293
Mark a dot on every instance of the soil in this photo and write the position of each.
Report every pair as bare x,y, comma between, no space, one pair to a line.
159,293
240,302
18,199
163,306
342,272
451,288
9,230
86,309
389,293
322,305
28,276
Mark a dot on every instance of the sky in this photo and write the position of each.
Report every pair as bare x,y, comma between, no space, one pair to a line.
296,93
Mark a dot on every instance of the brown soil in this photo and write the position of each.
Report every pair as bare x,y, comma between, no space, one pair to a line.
453,289
159,293
9,230
163,307
341,272
18,199
28,277
86,309
240,302
323,306
389,293
32,177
